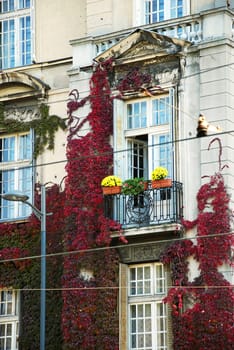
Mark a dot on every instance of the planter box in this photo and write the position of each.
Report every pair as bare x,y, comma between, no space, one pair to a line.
161,183
111,190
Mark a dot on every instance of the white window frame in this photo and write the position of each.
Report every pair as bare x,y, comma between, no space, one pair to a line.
163,129
9,318
20,57
17,168
149,293
139,11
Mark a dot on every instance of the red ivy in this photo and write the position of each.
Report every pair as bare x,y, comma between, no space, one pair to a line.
89,318
205,321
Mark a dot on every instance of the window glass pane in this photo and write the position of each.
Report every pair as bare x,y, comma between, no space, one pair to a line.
7,44
15,35
148,320
140,341
8,344
140,282
161,111
9,308
12,150
9,329
154,11
6,149
148,341
137,159
2,331
8,325
24,4
176,9
161,324
6,303
8,180
165,152
141,326
137,115
133,341
25,147
25,40
160,279
162,152
6,5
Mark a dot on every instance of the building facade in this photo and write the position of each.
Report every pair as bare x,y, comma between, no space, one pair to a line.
35,55
171,61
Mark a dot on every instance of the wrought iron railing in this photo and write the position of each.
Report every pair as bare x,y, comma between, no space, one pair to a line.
151,207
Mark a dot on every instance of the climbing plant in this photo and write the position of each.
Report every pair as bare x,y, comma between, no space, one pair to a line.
202,309
20,270
90,279
44,125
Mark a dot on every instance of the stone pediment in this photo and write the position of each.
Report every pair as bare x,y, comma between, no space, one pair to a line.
143,45
18,85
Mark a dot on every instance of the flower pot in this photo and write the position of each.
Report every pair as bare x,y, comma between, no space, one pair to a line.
111,190
161,183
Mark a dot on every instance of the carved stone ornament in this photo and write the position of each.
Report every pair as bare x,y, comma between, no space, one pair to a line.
141,252
157,55
142,45
24,114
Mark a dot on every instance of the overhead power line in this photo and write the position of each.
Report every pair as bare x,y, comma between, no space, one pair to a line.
86,288
122,246
98,154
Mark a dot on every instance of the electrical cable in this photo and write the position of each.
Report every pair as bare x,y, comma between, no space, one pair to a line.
86,288
114,152
90,250
166,82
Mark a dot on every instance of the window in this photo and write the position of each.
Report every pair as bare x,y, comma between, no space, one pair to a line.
15,172
147,311
148,136
9,320
15,33
152,11
159,10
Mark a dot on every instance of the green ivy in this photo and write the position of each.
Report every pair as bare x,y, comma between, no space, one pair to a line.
44,127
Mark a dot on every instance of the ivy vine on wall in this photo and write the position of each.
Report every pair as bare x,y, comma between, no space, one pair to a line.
202,309
22,241
45,127
90,279
82,313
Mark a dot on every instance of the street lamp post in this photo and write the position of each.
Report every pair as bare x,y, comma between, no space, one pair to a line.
41,215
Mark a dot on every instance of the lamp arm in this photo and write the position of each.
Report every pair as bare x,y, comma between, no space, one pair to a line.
36,211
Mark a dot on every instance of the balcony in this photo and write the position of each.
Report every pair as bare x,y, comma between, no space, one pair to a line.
151,207
186,28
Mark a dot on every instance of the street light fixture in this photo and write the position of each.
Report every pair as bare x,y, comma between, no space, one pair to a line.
17,196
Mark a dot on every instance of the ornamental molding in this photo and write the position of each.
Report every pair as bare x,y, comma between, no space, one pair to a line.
142,45
18,85
24,114
143,253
